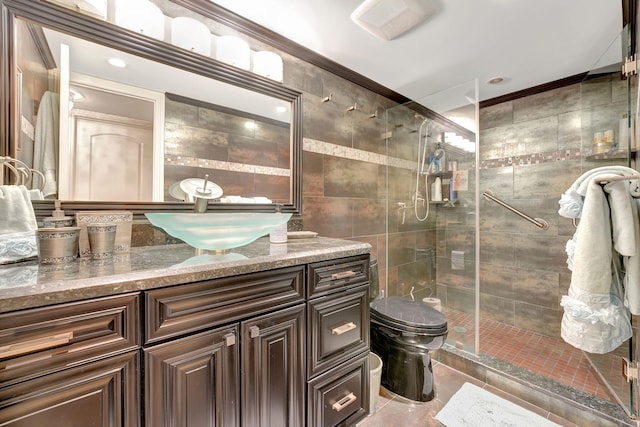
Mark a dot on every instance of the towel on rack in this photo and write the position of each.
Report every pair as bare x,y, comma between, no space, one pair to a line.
17,224
572,200
595,319
45,147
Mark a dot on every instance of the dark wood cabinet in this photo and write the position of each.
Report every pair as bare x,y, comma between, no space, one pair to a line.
99,394
286,347
193,381
273,369
245,366
338,342
71,365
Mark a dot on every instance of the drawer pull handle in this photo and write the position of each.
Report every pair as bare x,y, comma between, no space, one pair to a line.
344,402
344,328
35,345
343,275
254,331
230,339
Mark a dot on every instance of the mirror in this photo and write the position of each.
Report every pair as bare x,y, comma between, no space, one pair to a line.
169,115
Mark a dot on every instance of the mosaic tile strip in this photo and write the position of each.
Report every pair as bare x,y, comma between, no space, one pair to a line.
221,165
321,147
532,159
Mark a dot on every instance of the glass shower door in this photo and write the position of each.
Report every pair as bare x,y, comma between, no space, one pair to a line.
431,203
615,369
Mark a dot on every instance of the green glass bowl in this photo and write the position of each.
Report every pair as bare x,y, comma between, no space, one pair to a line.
218,231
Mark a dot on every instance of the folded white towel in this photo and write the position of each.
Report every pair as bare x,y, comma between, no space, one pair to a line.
17,224
16,212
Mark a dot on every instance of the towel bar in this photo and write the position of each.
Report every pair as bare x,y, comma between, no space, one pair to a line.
22,172
540,223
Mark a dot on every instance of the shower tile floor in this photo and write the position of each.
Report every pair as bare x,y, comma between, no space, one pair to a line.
538,353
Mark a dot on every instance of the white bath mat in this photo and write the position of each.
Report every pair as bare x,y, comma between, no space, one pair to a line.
471,406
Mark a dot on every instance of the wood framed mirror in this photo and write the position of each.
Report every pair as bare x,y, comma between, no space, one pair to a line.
202,116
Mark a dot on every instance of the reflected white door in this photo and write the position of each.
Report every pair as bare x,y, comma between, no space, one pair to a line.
113,158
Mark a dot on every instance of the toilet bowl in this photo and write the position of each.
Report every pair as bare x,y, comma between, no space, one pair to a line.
404,333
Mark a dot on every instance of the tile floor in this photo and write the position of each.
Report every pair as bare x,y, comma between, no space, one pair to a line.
395,411
550,357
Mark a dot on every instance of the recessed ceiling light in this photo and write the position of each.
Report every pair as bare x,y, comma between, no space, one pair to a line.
495,80
117,62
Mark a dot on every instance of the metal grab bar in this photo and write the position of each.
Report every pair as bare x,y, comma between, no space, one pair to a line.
538,222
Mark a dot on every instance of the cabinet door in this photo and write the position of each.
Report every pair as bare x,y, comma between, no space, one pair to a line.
99,394
273,375
192,382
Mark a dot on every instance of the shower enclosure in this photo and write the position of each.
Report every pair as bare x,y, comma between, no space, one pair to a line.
498,277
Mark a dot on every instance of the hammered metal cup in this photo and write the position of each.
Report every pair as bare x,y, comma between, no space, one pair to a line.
58,245
102,237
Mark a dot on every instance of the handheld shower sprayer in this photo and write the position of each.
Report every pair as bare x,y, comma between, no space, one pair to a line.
434,160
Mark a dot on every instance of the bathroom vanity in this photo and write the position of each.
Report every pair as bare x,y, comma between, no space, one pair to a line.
268,335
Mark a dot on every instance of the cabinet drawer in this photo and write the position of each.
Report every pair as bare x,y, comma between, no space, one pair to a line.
103,393
340,397
332,276
39,341
338,328
187,308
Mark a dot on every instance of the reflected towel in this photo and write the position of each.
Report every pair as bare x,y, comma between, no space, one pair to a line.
45,148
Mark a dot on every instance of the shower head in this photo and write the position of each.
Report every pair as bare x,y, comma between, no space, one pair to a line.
437,155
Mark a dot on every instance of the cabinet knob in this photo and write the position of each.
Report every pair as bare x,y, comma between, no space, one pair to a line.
254,331
344,402
230,339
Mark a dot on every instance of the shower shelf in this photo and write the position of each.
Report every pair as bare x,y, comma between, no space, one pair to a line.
618,154
445,203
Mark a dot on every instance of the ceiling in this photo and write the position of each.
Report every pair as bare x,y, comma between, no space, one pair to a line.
526,42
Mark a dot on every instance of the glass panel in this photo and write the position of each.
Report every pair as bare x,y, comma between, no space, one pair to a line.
618,117
532,150
431,202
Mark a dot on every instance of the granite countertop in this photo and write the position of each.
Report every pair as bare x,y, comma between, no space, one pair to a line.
29,284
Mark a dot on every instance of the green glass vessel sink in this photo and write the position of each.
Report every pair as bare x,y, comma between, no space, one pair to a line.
218,231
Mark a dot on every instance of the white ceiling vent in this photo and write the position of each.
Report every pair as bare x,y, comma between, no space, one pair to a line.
388,19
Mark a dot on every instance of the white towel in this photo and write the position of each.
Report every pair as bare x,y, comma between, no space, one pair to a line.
16,212
592,258
571,201
45,148
595,319
17,224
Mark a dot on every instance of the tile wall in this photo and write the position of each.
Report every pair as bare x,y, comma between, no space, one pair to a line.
532,150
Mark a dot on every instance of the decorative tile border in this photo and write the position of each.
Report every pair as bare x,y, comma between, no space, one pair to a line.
227,166
321,147
532,159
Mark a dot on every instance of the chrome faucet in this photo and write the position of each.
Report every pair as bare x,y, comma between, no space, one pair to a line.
201,203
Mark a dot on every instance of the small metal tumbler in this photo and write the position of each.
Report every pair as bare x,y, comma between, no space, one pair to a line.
102,237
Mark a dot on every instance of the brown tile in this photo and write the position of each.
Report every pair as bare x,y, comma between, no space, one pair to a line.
349,178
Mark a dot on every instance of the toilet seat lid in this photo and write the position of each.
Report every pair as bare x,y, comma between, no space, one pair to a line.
408,315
